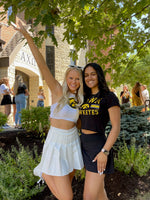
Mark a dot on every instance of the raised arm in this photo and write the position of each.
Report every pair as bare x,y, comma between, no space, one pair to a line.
52,83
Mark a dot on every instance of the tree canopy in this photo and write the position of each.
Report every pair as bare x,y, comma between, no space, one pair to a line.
122,26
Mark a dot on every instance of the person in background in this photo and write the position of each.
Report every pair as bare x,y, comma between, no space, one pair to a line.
20,92
125,95
100,106
13,104
136,95
144,95
113,90
41,97
6,100
61,151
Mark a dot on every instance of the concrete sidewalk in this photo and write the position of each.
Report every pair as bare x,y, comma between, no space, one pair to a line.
12,130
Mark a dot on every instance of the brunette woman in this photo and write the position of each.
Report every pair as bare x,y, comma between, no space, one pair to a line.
99,107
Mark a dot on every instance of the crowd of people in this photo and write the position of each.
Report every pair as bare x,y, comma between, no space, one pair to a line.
17,97
18,94
139,95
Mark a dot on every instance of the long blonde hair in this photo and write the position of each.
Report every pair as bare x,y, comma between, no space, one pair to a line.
65,97
18,81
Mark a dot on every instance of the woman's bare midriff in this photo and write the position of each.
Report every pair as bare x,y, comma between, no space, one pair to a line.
87,131
62,124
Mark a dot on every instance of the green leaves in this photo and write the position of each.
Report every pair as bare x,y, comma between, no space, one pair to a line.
133,158
134,123
16,171
34,118
3,119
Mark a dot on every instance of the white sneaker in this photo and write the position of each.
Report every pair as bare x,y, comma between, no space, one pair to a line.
6,126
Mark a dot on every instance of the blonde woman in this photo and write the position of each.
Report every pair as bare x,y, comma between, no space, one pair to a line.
125,95
144,95
61,152
41,97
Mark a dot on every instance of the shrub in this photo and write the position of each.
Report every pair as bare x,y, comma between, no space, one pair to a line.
133,158
16,174
36,120
3,119
80,174
134,123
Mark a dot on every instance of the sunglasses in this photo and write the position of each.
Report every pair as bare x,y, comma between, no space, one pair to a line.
75,66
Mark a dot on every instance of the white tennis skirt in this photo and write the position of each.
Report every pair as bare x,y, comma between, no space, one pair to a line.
61,153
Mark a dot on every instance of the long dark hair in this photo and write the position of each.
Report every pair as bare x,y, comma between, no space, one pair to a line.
102,84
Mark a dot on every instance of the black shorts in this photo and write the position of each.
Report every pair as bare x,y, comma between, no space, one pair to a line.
13,102
91,145
6,100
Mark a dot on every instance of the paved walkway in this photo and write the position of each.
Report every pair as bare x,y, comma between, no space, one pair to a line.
11,129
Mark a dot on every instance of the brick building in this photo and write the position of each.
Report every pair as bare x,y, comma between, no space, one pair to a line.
16,58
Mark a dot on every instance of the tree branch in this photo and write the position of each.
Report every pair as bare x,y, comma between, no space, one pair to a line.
140,48
126,19
102,3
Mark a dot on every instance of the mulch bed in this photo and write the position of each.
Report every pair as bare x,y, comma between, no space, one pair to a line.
119,186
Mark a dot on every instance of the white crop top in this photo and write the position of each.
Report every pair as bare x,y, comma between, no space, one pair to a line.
40,97
68,112
2,88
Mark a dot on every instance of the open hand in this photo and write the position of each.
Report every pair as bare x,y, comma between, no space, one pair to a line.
101,162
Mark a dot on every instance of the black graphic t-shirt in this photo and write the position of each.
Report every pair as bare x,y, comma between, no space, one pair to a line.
94,112
21,89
